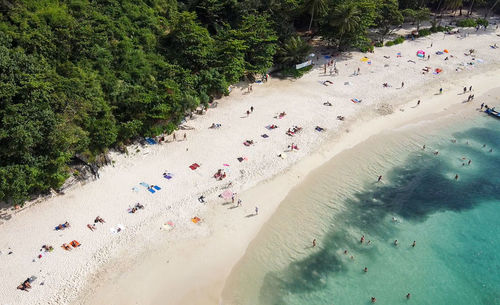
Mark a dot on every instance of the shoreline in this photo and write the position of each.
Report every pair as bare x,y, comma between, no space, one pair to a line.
211,291
201,251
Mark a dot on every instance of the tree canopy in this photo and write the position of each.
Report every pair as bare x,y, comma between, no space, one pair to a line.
78,77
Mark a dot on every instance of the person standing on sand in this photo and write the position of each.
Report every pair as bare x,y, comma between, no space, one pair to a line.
482,106
402,84
440,90
185,137
174,139
314,242
251,108
418,102
465,89
248,113
256,211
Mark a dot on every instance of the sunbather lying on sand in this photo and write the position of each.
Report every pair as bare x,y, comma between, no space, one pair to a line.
62,226
99,219
25,285
327,104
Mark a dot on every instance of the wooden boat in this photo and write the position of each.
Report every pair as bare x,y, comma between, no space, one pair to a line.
492,112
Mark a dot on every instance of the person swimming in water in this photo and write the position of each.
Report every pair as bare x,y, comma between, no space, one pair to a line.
395,242
366,269
414,244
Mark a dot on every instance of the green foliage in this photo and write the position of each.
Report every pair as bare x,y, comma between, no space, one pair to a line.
315,7
292,52
379,44
399,40
417,15
467,23
82,76
424,32
482,22
349,21
389,43
261,43
388,16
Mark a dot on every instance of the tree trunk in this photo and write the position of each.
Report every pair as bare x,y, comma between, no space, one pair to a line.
438,9
492,7
312,16
461,7
470,8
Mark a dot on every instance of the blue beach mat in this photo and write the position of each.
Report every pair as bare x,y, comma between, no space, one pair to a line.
150,141
151,191
156,187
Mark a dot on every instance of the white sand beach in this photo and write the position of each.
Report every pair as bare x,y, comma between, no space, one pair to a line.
148,262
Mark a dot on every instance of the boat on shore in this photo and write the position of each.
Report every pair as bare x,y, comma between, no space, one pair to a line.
492,112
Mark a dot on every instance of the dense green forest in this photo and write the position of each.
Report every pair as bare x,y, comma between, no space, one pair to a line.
83,76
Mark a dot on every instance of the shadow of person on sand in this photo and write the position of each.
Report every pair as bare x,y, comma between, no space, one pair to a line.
251,215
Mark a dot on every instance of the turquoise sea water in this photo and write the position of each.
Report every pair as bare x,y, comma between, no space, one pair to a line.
455,224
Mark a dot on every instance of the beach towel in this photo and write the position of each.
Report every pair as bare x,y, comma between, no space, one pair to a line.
168,176
195,219
225,164
355,101
265,136
156,187
241,159
319,128
135,189
150,141
194,166
439,52
168,226
398,54
364,59
144,184
151,191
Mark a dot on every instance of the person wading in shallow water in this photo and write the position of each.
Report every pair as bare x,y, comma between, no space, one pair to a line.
379,178
314,242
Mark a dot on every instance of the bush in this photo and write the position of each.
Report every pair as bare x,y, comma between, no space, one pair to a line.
481,21
467,23
399,40
366,48
389,43
379,44
424,32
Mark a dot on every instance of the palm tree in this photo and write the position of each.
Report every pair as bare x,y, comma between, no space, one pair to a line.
314,6
345,18
293,51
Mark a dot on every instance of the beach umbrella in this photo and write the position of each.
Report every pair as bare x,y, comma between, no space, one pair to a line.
227,194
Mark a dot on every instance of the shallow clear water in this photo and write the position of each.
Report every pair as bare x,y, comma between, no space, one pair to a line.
455,224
